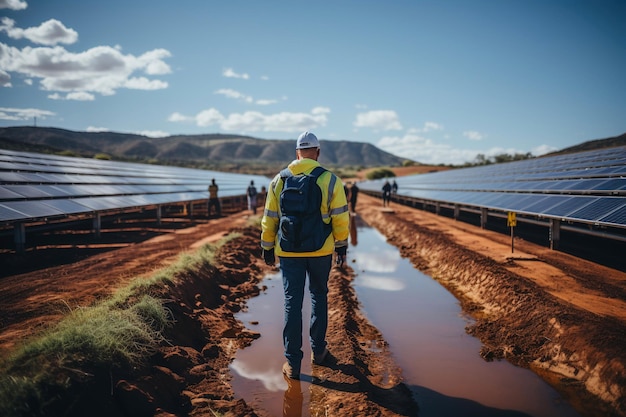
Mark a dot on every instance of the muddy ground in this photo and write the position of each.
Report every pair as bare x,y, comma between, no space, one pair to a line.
563,317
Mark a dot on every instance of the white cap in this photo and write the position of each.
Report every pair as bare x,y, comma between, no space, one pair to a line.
307,140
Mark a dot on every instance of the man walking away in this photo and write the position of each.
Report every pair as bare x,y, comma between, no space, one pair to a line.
251,193
386,193
354,192
214,201
304,241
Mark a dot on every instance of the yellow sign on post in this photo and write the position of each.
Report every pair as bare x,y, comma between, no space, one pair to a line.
511,219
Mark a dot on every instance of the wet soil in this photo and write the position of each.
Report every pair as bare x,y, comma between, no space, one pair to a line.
563,317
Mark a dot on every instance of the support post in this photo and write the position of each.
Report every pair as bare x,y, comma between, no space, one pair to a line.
555,233
19,237
483,218
158,214
97,224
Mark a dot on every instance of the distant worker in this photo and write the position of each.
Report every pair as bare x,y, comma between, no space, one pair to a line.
305,220
251,194
354,192
346,190
386,193
394,187
214,201
262,195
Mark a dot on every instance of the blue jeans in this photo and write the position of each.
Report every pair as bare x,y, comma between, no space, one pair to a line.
294,277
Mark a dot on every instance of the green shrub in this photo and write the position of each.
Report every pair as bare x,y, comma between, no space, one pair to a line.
380,173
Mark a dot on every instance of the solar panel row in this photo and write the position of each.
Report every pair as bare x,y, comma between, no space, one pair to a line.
35,186
587,187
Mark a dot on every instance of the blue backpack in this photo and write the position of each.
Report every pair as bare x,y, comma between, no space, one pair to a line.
301,228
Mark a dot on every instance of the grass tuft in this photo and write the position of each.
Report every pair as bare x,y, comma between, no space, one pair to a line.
120,331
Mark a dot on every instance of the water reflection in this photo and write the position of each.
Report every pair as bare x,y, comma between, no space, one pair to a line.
271,378
382,283
257,375
425,328
293,399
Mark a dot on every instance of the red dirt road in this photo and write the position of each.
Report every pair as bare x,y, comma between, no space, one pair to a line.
561,316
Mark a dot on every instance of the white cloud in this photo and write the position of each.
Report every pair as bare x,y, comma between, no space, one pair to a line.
13,4
102,69
230,93
5,79
153,133
227,92
143,83
430,126
78,96
50,32
425,150
320,110
12,113
265,102
428,151
543,149
148,133
378,120
208,117
473,135
97,129
178,117
229,73
254,121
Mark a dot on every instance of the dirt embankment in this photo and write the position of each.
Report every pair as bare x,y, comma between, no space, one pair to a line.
561,316
540,309
189,375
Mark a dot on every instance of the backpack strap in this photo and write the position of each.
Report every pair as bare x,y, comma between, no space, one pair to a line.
285,173
315,173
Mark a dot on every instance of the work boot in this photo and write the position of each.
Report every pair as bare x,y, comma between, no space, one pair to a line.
289,372
318,359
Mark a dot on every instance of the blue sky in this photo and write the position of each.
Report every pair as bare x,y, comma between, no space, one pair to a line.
435,81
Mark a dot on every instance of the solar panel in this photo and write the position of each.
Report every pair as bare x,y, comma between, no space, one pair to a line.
599,208
8,214
613,184
68,206
7,194
32,191
616,217
573,186
569,205
33,209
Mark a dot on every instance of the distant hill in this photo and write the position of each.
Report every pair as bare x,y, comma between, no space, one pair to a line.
212,151
593,144
229,153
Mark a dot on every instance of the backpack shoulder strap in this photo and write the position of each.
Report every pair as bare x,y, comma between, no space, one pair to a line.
317,171
285,173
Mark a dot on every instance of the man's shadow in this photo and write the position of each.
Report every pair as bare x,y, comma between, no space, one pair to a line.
401,399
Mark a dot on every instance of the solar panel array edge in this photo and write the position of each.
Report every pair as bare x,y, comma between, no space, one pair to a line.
562,185
39,185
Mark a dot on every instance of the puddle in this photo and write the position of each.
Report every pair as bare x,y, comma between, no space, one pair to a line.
425,328
257,375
